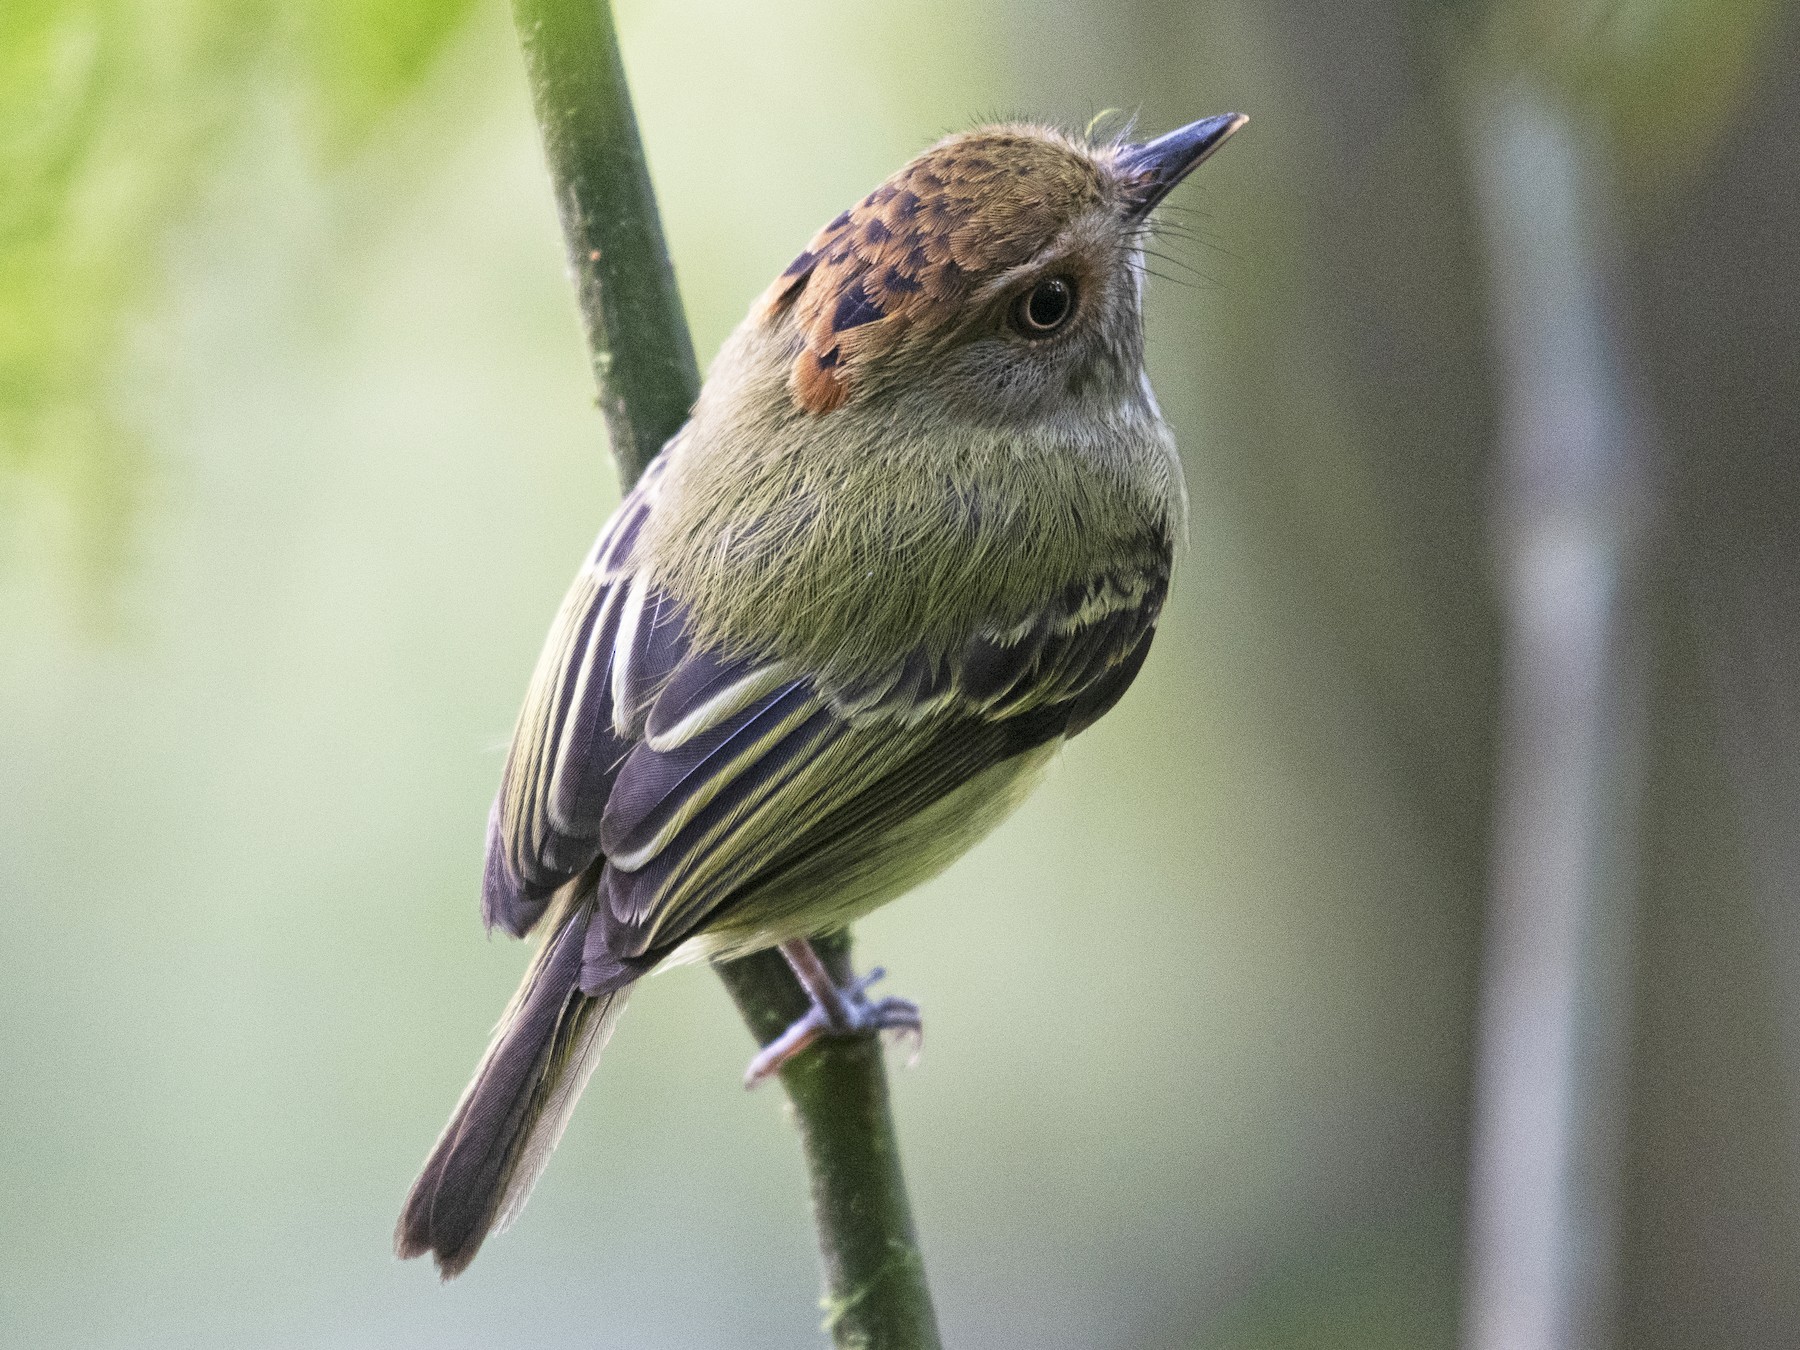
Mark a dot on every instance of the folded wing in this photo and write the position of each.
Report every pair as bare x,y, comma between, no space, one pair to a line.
695,783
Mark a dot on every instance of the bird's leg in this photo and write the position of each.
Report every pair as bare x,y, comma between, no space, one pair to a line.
837,1010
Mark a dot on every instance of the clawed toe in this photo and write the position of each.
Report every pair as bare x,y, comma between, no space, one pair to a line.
784,1047
903,1018
836,1012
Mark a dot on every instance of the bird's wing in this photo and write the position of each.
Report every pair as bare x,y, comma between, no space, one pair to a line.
576,728
699,778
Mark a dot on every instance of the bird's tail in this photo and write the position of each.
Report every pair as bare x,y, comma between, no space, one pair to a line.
513,1112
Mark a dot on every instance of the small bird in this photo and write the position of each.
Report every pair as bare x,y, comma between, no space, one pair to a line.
915,534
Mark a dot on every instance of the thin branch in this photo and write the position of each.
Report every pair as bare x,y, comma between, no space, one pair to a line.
876,1297
637,336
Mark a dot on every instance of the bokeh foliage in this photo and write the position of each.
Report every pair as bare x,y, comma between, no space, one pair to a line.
1658,77
113,116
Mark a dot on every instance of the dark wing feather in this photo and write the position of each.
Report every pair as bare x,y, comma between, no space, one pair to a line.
797,781
660,793
567,747
849,838
698,779
677,882
1066,667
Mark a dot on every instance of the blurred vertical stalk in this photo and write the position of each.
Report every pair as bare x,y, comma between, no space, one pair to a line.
876,1297
1552,1046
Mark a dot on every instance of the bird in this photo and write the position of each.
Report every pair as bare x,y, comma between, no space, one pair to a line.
916,532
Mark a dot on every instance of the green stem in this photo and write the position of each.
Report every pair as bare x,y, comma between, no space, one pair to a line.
637,336
876,1297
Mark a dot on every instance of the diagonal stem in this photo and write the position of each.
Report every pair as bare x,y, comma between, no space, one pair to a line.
637,336
876,1296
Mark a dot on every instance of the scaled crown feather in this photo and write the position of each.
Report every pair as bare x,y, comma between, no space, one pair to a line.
904,258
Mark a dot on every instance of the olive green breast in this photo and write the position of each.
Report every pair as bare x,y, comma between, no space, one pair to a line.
844,541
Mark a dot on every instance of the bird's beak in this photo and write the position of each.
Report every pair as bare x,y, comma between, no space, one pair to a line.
1149,172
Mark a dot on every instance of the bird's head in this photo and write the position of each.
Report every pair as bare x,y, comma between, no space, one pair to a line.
1000,272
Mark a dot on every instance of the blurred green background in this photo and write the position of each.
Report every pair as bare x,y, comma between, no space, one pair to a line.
298,451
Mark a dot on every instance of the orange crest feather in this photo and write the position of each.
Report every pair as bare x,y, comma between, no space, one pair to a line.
902,259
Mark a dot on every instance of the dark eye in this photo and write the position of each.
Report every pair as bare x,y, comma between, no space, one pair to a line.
1045,308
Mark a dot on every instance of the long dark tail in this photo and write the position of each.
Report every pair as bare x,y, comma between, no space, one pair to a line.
513,1112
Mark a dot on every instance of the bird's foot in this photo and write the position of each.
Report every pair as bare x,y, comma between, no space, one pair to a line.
837,1010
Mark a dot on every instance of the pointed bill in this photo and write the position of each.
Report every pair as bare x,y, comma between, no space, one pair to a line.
1151,171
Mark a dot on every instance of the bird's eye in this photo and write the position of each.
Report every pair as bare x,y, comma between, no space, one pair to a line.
1045,308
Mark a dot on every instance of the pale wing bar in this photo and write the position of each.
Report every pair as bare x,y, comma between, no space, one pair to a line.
695,825
684,777
566,750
